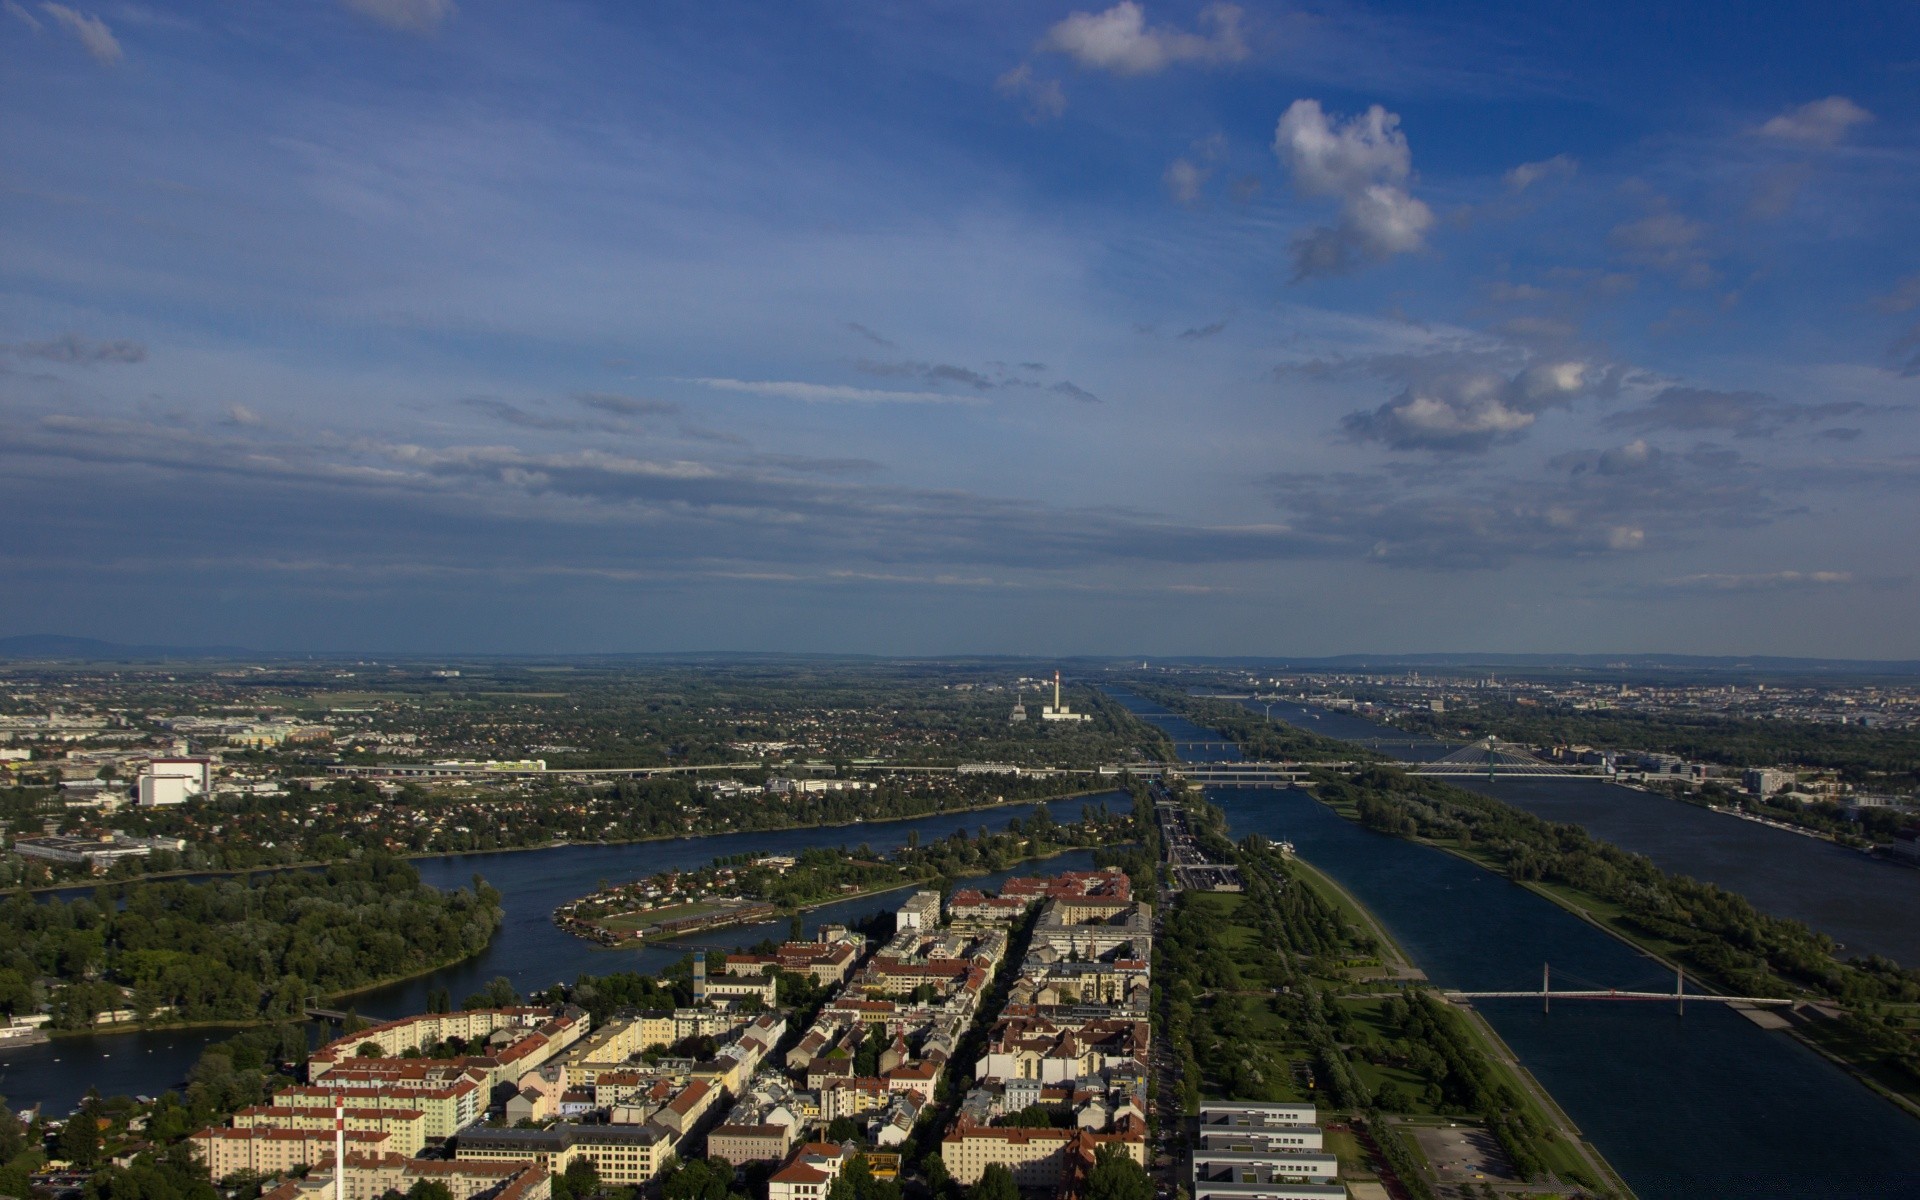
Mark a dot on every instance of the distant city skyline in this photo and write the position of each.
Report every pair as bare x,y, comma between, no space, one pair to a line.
1065,328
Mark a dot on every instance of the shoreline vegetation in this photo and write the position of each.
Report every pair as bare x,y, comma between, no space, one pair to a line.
755,888
212,874
222,953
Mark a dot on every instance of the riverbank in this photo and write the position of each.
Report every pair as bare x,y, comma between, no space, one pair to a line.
1490,1043
765,913
1824,1035
313,864
236,1023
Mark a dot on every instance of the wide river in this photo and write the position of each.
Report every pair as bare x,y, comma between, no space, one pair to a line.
1868,905
1702,1105
529,949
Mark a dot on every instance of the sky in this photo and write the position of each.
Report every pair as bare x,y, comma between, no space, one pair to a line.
939,327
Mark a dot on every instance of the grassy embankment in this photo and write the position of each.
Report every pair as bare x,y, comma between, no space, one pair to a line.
1275,995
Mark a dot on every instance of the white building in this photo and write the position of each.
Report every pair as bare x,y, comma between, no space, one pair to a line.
174,781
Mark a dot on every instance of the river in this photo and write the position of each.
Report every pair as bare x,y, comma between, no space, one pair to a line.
529,949
1707,1104
1868,905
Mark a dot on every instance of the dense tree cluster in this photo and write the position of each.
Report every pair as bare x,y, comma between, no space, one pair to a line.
235,949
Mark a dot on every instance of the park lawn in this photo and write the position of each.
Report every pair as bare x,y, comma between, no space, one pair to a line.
1344,1146
646,920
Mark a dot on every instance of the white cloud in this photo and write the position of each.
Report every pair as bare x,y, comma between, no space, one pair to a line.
1366,162
1044,99
23,16
409,16
1527,174
824,393
1187,175
1119,40
1820,123
1184,180
91,30
1470,410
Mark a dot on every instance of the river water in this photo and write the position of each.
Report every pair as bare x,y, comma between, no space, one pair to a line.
1868,905
1708,1104
529,949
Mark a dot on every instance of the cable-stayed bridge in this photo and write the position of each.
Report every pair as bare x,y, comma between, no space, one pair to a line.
1492,759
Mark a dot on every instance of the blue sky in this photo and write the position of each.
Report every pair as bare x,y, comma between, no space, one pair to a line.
944,327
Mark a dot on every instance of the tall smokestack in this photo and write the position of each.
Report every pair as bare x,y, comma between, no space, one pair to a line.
1056,691
339,1150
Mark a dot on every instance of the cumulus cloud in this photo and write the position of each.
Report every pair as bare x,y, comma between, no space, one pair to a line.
1119,40
1820,123
72,348
408,16
1740,414
1043,99
1469,411
829,393
1524,176
240,414
89,29
1438,517
1365,163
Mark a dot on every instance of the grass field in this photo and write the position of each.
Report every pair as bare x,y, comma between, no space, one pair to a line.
628,922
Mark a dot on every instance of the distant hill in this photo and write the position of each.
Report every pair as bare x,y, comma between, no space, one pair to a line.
60,646
1573,662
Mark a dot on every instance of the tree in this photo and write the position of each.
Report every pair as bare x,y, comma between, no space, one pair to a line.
498,993
1115,1176
698,1179
80,1139
843,1129
369,1050
429,1189
996,1183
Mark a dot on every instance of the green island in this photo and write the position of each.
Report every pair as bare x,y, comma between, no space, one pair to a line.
232,950
742,888
1289,991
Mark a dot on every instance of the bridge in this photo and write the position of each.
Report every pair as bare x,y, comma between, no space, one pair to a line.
1679,995
316,1013
1492,759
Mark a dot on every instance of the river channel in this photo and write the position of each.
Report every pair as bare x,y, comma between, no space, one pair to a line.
1868,905
1706,1104
529,949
